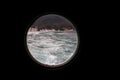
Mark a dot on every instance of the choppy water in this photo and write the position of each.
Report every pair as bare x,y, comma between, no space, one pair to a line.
52,48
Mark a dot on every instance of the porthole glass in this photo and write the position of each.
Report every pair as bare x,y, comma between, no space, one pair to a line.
52,40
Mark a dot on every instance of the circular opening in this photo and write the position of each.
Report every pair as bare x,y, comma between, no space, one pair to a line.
52,40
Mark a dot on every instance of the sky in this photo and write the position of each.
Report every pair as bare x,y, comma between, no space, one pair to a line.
52,19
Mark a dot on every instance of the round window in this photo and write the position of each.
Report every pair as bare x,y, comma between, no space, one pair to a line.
52,40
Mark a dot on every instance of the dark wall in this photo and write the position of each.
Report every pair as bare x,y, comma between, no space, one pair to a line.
88,62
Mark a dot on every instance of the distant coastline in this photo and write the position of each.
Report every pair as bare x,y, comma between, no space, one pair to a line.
33,29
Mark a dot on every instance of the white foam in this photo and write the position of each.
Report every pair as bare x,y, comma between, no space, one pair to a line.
44,46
